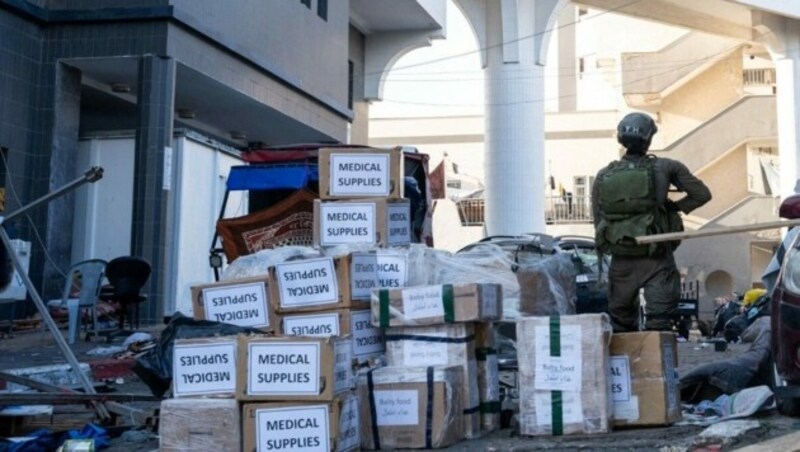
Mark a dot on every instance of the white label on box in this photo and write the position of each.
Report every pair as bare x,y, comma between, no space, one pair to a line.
313,325
425,353
301,428
239,304
489,298
204,369
349,426
620,378
422,302
558,373
290,368
360,175
367,340
343,223
400,407
627,410
307,282
571,407
342,365
399,221
369,271
671,376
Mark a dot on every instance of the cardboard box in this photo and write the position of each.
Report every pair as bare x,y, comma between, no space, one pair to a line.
361,173
488,376
644,385
242,302
436,305
188,425
204,367
367,340
564,363
398,411
306,285
374,221
441,345
293,368
331,426
379,269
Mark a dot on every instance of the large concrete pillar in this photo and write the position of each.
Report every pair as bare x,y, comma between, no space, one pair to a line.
512,35
782,37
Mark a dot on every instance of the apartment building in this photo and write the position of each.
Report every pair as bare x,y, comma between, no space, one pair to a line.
713,97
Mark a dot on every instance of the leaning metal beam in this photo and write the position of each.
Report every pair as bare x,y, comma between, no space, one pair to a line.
92,175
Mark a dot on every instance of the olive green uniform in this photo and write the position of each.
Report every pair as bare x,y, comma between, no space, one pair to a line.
657,275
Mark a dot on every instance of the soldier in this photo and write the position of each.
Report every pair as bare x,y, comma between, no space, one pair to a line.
629,199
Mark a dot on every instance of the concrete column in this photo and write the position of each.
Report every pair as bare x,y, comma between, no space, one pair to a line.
787,70
64,151
155,105
515,166
567,56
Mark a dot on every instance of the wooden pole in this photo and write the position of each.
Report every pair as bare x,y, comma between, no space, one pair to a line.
656,238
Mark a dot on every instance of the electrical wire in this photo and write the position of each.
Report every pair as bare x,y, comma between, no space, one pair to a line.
511,41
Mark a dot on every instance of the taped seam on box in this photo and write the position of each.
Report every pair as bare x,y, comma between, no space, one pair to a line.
421,338
483,353
447,301
383,297
556,402
429,412
373,412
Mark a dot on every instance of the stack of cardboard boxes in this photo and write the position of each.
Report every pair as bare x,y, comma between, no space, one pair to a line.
429,395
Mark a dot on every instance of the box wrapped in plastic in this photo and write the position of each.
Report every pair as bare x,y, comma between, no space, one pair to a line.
488,376
440,345
411,407
188,425
564,374
436,305
258,264
483,263
547,286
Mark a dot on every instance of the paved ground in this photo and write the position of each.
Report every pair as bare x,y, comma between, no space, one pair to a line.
37,348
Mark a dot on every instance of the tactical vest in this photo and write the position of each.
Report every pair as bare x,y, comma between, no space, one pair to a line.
629,209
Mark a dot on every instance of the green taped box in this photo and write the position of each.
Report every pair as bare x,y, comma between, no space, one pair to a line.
564,373
436,305
440,345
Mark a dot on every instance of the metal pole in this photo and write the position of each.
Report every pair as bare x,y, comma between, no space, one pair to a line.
92,175
715,231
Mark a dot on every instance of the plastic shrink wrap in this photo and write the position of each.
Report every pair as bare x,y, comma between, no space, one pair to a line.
435,305
547,286
189,425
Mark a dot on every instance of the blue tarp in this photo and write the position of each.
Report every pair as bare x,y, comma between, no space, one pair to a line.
272,177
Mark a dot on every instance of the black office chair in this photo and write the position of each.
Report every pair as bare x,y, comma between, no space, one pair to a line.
127,275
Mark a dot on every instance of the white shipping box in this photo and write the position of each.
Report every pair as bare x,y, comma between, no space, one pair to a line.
204,367
488,376
440,345
565,363
189,425
367,340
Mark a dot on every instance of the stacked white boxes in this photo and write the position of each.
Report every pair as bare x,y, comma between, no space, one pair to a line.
435,327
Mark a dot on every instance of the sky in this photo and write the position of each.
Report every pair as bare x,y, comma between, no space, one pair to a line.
443,79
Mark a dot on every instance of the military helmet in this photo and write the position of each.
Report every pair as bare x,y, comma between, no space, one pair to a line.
636,130
790,207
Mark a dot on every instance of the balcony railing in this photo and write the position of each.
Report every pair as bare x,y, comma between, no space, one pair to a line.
759,77
558,210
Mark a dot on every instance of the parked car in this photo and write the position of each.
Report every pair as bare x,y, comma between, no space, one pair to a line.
591,296
785,313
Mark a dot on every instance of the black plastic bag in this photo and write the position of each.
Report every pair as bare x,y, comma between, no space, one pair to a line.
155,366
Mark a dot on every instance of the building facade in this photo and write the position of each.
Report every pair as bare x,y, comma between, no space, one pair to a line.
165,94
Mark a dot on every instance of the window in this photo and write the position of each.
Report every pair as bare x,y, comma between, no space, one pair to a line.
322,9
453,183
